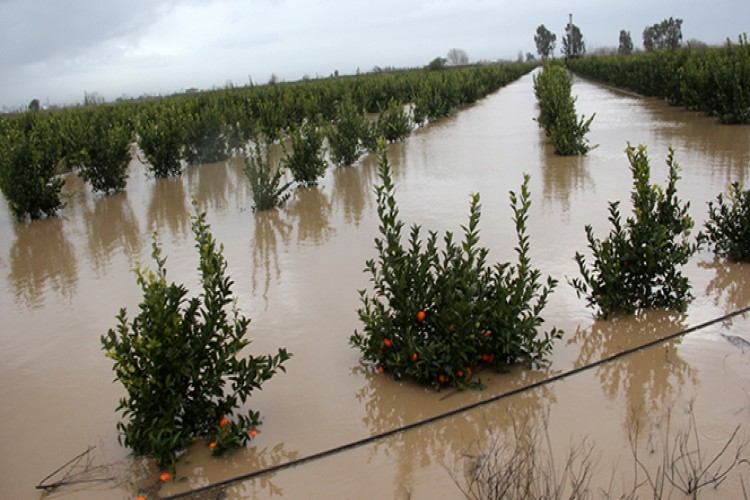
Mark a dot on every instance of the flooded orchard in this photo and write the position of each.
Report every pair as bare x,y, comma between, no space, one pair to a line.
297,272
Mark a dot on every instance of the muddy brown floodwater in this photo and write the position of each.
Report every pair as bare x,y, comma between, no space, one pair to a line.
297,272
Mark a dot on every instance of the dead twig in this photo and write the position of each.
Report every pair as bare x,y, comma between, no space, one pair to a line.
71,476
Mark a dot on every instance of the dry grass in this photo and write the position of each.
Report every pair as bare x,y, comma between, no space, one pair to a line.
521,465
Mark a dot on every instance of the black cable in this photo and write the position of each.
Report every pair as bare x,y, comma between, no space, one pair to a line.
456,411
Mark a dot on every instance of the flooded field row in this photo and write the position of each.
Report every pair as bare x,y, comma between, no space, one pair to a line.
297,272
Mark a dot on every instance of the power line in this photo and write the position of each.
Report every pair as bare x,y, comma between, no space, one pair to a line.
456,411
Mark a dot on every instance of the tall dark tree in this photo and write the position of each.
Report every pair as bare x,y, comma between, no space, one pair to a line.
437,64
626,43
666,35
545,42
572,44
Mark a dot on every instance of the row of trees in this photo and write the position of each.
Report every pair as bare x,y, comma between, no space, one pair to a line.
557,112
432,315
37,146
176,356
665,35
713,80
437,315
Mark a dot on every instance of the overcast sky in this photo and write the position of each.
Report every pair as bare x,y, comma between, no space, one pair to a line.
56,50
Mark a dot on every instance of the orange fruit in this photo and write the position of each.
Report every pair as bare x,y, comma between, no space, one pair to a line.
414,358
140,498
252,433
487,333
441,379
421,315
212,444
388,342
165,476
224,421
381,369
459,374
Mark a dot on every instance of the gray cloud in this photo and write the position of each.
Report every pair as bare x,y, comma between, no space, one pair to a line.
55,50
37,30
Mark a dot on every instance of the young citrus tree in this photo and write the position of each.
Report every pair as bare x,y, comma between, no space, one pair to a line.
179,361
30,153
306,161
557,112
394,123
349,133
637,265
436,316
268,191
161,137
728,225
106,154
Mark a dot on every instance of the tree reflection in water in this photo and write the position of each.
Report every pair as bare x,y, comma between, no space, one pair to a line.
730,286
210,184
311,208
168,207
563,176
110,226
446,441
270,225
42,257
204,469
649,379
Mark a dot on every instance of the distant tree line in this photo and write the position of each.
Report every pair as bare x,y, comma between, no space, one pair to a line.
665,35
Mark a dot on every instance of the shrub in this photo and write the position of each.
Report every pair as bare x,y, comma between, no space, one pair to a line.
306,161
268,192
349,133
637,265
557,112
106,153
30,152
161,138
394,123
436,316
178,360
436,97
728,225
205,140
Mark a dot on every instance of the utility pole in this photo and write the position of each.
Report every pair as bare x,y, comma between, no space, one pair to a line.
569,32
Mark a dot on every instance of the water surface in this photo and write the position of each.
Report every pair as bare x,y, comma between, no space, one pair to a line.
297,272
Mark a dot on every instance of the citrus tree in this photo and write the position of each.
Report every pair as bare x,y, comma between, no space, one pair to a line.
30,154
728,224
637,266
268,189
557,112
437,316
179,361
306,161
